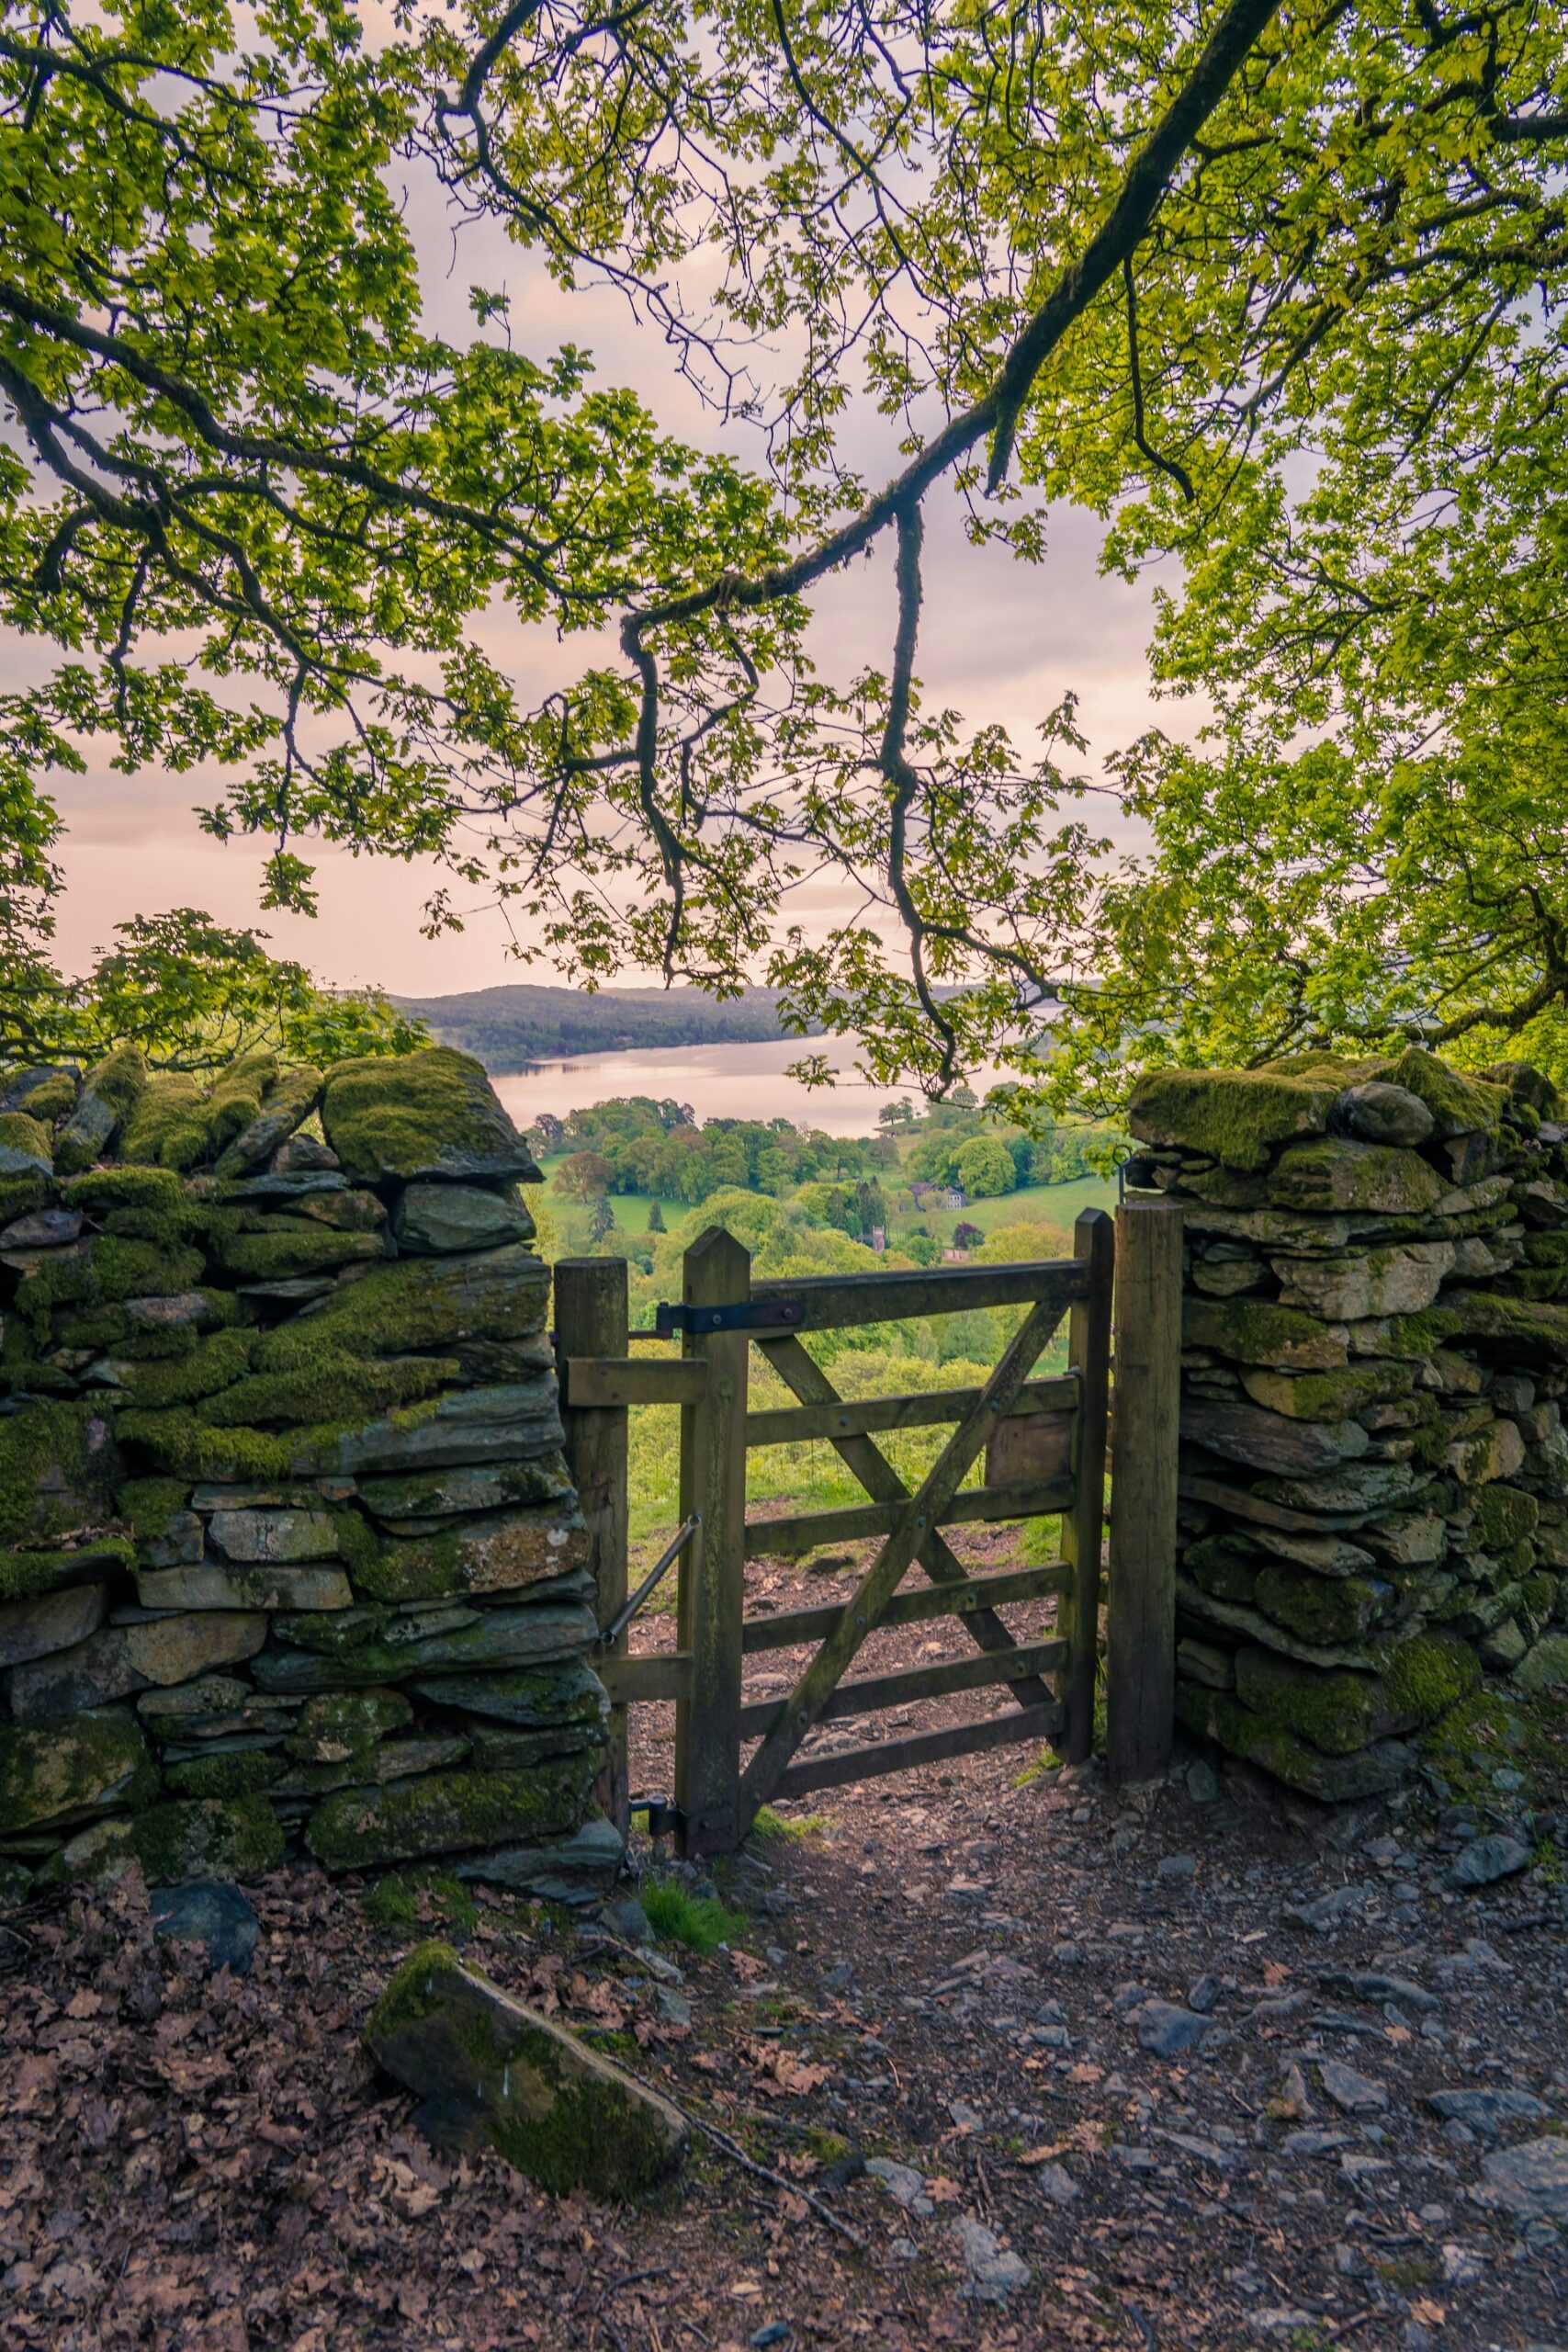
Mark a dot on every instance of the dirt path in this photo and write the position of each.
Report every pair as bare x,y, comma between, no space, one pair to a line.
968,1982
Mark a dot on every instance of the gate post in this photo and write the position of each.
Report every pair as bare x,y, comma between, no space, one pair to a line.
592,1321
1083,1534
1141,1627
716,1272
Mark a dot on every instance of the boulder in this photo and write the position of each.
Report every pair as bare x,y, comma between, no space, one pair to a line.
207,1838
437,1219
414,1117
1459,1105
1546,1665
574,1869
492,2072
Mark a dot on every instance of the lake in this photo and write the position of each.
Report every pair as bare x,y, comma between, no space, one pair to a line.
743,1081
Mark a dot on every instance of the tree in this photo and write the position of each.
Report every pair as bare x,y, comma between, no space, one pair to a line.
584,1176
655,1218
1278,290
602,1223
966,1237
986,1168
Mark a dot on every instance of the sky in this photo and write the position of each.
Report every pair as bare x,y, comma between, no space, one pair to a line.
1000,641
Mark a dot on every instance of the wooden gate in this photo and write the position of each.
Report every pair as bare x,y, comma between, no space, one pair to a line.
1045,1443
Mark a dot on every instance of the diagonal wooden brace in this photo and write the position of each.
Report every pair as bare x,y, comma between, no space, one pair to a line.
805,1377
881,1580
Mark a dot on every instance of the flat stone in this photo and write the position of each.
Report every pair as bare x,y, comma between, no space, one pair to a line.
1261,1331
1055,2183
1482,1860
504,1553
1372,1985
210,1912
574,1869
1401,1280
533,1698
1234,1116
1487,2111
117,1660
1352,2093
501,1639
419,1305
1325,1555
276,1536
213,1586
435,1495
491,2072
215,1707
434,1219
62,1772
285,1106
43,1229
389,1760
432,1114
1201,1662
51,1621
1351,1487
1382,1114
1265,1440
1314,2141
447,1812
464,1429
1530,2180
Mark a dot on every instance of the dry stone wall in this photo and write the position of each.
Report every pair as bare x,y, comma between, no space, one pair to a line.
290,1555
1374,1467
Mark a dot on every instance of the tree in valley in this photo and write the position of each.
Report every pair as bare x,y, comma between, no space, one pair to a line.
1277,289
584,1176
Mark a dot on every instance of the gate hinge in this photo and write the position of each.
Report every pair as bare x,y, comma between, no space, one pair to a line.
746,1315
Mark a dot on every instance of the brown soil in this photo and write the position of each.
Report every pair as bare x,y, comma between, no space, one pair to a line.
189,2160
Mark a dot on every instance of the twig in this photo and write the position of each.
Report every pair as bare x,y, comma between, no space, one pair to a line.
737,2155
631,2278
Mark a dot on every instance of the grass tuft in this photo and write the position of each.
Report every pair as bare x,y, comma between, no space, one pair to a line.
701,1923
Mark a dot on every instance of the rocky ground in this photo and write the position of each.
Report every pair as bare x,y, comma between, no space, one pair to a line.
1024,2068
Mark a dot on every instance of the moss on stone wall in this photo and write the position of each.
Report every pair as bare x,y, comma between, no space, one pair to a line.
1235,1117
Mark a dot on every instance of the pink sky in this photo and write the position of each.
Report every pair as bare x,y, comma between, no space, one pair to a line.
1000,641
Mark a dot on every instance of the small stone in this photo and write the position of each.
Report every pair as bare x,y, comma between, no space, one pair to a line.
1177,1869
211,1912
1487,2111
994,2274
1291,2103
626,1917
1463,2266
1485,1859
1325,1911
1167,2030
493,2072
672,2006
43,1229
1372,1985
1203,1992
777,2331
1313,2143
903,2184
1055,2183
1202,1782
1352,2093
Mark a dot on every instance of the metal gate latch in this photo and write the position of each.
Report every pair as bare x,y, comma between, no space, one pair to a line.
746,1315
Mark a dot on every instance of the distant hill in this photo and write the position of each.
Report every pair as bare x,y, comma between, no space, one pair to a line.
511,1028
